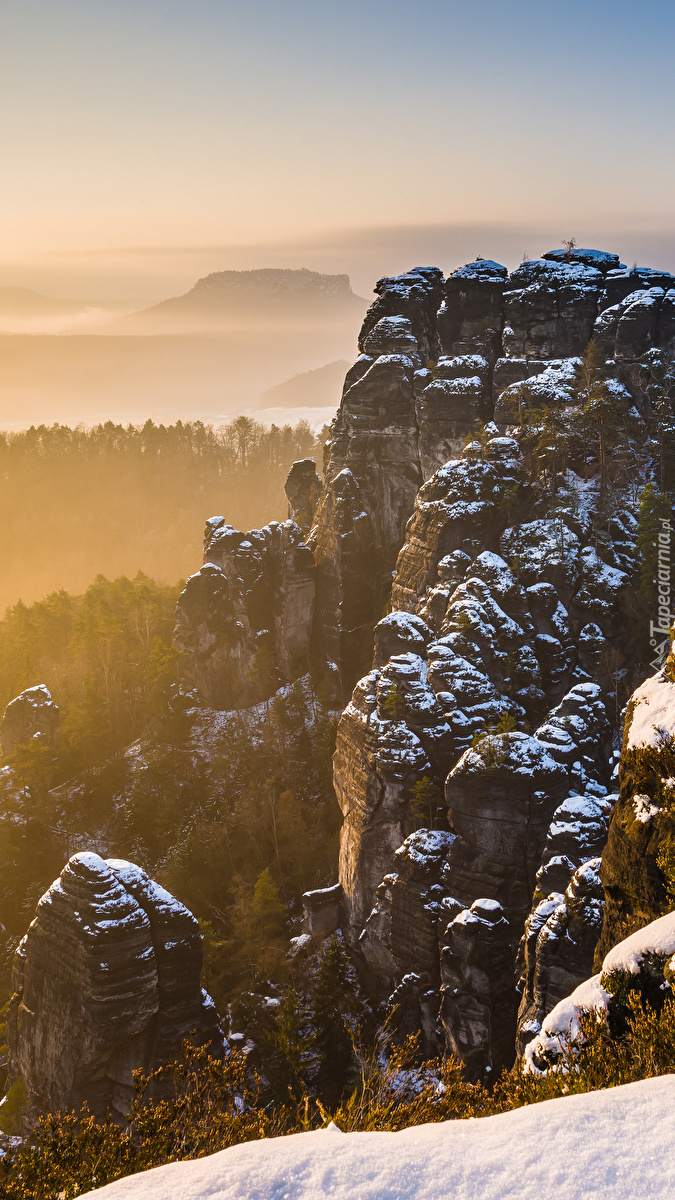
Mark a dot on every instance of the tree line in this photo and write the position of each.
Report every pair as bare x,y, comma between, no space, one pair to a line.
117,499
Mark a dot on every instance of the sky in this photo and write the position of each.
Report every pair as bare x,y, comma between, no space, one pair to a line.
146,142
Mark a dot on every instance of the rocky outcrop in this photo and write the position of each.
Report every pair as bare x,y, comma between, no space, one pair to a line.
478,994
578,832
401,935
303,488
461,509
559,942
31,715
380,762
438,357
244,621
348,582
641,965
425,380
416,297
550,308
471,317
105,981
504,606
638,865
463,491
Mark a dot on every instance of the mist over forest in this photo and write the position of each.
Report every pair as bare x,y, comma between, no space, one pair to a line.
115,500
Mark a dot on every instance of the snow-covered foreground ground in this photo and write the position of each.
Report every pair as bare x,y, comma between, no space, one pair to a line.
613,1145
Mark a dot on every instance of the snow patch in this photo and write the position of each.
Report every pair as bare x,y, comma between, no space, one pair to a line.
656,938
644,809
654,712
614,1144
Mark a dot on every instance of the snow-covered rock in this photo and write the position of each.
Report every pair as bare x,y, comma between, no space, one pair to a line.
32,714
645,956
106,980
652,712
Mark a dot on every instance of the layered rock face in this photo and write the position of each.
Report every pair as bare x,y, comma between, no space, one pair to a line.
105,981
32,714
474,759
244,621
437,357
507,605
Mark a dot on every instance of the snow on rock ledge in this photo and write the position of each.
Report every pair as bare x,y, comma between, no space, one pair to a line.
657,938
653,712
562,1025
616,1144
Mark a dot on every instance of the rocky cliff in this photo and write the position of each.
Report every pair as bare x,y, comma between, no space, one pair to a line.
468,559
105,981
491,677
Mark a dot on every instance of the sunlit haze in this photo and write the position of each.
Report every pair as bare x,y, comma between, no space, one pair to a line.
144,144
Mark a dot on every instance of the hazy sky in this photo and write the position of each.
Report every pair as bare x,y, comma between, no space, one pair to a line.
144,142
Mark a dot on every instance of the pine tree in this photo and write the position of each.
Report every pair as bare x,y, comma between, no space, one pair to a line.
267,908
481,435
425,800
286,1051
604,412
335,999
551,440
392,704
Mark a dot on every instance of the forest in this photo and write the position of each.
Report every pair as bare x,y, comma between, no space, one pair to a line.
115,500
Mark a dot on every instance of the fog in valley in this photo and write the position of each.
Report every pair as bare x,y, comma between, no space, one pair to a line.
71,363
122,428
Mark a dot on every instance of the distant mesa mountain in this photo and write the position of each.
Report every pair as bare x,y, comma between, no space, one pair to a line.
22,302
311,389
270,292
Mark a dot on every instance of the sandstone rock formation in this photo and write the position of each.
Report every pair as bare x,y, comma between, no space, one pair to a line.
244,620
504,608
473,761
437,357
105,981
303,488
641,965
32,714
478,994
560,937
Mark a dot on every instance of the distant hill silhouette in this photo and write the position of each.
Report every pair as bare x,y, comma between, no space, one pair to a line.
271,294
22,302
311,389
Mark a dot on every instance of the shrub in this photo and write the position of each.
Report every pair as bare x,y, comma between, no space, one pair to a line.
200,1105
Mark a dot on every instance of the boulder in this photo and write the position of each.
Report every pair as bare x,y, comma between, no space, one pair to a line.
31,715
